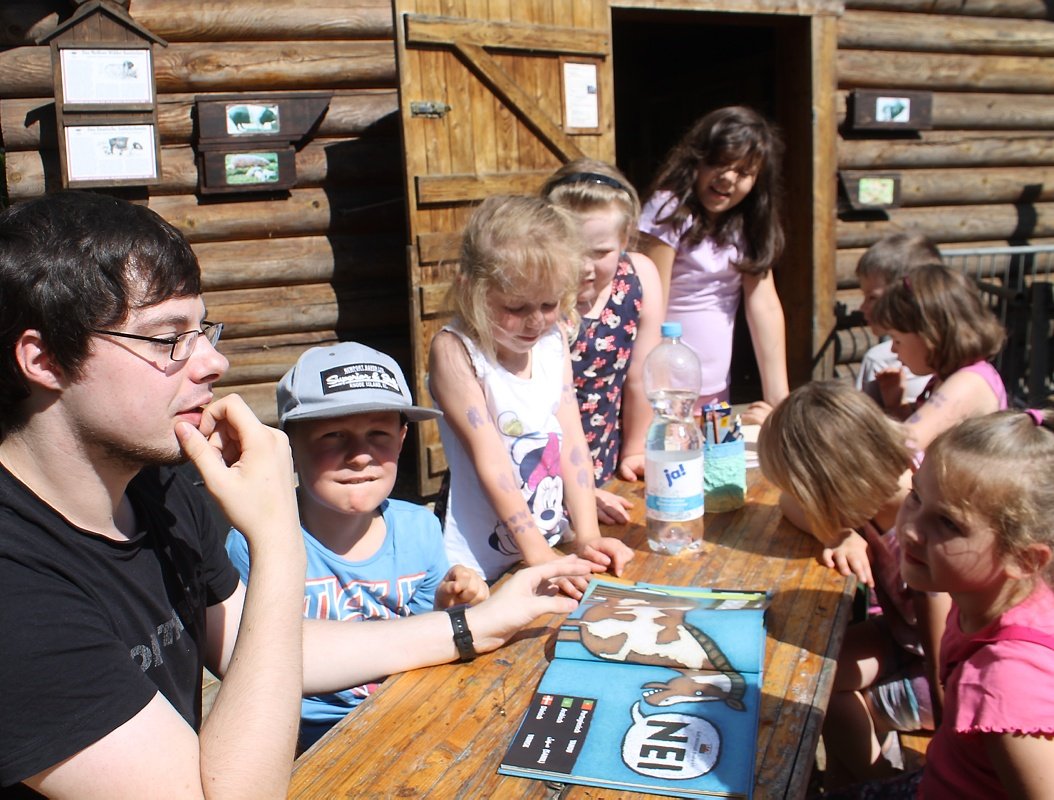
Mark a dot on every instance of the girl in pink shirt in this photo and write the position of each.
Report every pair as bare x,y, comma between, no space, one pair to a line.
977,524
940,325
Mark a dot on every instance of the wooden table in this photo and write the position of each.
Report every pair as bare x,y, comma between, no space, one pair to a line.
440,732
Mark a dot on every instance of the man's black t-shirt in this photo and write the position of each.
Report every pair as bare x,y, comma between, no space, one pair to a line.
90,628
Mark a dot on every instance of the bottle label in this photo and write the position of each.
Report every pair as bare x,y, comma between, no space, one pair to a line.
673,483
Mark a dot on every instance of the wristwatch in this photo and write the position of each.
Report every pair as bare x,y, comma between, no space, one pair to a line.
462,635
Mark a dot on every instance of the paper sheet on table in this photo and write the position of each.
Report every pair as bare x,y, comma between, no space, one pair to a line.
750,438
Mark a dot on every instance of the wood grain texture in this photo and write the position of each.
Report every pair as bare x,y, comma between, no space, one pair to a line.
440,732
1019,9
25,21
950,223
231,66
945,71
937,33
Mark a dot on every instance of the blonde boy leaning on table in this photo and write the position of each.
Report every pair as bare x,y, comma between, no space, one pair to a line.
345,408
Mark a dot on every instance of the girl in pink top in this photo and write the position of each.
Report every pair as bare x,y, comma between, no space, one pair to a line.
712,227
939,324
977,524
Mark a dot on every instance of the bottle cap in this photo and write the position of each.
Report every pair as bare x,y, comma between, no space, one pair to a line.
671,330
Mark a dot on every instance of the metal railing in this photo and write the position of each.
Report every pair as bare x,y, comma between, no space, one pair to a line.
1018,282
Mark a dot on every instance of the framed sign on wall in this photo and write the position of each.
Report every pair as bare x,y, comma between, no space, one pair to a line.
105,98
247,143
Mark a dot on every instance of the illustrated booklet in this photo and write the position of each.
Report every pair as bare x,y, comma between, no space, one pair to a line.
651,689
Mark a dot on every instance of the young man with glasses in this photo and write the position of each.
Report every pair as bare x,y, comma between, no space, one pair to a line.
115,589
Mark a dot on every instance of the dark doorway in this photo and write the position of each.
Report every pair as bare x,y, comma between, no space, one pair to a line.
672,68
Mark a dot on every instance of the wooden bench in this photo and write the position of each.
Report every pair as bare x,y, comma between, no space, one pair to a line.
913,749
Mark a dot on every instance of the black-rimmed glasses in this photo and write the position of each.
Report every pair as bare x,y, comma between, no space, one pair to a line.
182,344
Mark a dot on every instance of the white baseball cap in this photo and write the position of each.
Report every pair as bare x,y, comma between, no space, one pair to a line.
345,378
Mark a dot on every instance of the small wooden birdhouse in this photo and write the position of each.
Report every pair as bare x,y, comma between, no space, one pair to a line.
105,97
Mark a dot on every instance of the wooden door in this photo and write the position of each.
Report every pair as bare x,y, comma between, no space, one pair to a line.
482,87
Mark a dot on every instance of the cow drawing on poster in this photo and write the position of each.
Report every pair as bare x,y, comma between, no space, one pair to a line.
655,632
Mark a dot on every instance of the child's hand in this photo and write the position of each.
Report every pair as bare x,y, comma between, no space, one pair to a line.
460,586
755,413
522,598
891,386
608,553
631,468
571,586
850,558
612,509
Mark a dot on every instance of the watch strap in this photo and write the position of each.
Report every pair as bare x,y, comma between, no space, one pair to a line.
466,649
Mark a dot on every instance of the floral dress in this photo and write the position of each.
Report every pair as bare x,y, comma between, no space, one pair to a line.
600,356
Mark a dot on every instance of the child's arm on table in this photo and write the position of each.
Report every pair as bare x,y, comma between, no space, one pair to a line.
636,410
457,392
460,586
847,554
768,334
579,491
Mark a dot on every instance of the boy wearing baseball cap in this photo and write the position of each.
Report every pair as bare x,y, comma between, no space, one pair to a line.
345,409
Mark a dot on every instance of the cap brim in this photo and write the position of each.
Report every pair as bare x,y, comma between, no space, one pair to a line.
412,413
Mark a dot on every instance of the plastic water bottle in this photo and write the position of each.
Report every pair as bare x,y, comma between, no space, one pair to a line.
673,466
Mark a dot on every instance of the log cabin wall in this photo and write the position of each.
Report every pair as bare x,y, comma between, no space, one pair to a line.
984,174
286,270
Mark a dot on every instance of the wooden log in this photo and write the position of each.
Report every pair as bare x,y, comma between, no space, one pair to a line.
304,212
322,163
29,123
223,20
262,359
944,71
231,67
258,396
1019,9
934,33
981,111
954,223
948,149
940,187
301,259
847,259
26,21
850,344
277,310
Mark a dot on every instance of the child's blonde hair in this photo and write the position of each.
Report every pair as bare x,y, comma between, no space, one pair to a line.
945,308
518,245
830,448
1000,467
895,254
585,185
